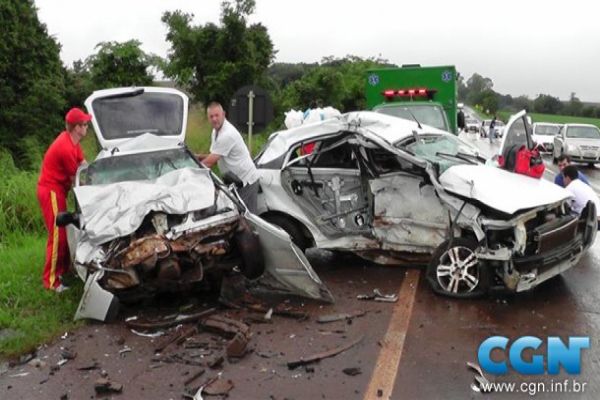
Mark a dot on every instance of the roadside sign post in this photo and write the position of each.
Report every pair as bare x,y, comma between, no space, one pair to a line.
250,118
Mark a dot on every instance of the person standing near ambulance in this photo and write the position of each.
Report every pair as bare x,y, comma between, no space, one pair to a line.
59,167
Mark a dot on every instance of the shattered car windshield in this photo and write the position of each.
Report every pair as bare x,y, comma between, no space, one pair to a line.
147,112
425,114
141,166
443,150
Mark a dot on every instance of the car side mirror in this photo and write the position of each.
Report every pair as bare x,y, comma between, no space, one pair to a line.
65,218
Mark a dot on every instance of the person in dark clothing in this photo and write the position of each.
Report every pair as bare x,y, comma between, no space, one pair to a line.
491,130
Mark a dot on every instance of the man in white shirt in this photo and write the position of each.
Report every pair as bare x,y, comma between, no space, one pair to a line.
228,150
582,193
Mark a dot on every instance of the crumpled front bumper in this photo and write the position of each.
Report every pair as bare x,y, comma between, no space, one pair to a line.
521,273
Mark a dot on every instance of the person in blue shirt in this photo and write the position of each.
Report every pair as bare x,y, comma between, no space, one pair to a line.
559,179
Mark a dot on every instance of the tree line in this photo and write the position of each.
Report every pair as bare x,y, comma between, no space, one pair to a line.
210,61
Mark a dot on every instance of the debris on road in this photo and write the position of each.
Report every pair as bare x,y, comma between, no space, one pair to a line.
104,386
224,326
340,317
178,336
135,323
378,296
19,375
326,354
237,346
216,362
88,367
219,387
37,363
148,335
68,354
124,350
481,384
353,371
194,377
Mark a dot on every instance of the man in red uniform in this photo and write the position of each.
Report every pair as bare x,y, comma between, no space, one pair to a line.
60,164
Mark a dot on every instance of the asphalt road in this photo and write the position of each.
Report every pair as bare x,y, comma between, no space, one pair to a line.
416,348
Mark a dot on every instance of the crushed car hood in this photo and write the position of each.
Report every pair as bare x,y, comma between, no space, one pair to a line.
499,189
118,209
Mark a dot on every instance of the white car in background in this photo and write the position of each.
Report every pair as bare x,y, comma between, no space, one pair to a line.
472,125
484,130
581,142
543,135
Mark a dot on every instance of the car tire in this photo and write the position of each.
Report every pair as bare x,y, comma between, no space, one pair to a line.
441,267
291,228
250,250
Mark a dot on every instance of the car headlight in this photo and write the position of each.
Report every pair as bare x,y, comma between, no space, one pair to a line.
571,148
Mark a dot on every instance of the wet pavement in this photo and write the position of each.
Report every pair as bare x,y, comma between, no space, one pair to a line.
416,348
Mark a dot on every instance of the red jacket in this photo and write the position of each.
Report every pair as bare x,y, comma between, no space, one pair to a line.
60,163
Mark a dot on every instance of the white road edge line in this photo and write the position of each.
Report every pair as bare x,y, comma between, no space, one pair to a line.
388,361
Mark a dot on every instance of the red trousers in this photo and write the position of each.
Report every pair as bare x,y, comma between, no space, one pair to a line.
53,201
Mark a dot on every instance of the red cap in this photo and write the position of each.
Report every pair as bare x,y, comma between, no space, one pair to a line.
77,116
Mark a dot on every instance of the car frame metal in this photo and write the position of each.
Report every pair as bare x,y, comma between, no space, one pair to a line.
378,196
150,217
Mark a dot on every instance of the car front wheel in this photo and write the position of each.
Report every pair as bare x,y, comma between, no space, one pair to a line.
455,270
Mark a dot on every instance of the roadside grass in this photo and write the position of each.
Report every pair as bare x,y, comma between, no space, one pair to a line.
557,119
29,314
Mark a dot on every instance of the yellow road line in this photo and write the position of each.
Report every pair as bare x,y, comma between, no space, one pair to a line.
386,368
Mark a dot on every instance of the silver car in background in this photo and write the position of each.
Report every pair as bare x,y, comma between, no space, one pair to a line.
544,134
581,142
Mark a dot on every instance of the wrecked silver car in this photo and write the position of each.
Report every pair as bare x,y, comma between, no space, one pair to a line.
394,191
151,218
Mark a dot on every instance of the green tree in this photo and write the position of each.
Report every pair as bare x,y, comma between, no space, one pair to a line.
31,79
489,101
213,61
78,84
522,103
574,106
336,82
477,85
120,64
547,104
463,90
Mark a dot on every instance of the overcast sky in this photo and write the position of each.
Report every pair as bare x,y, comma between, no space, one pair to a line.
525,47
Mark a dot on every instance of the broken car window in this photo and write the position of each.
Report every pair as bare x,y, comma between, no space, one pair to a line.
140,166
126,117
333,152
444,150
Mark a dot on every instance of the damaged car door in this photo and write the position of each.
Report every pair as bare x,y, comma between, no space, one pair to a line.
324,179
407,214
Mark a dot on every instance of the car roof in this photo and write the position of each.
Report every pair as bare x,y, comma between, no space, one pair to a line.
390,129
547,123
581,125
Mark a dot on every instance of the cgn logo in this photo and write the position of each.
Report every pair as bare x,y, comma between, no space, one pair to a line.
557,354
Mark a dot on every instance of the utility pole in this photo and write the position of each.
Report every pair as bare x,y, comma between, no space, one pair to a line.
251,97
